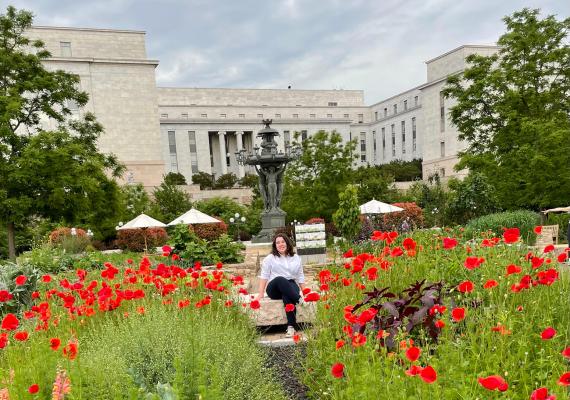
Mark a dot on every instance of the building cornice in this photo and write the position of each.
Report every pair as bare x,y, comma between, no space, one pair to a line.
69,28
465,46
103,60
261,106
253,121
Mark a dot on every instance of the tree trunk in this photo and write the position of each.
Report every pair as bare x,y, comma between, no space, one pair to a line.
11,241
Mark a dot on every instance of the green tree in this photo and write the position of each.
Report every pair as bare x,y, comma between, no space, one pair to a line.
226,181
313,182
135,201
175,178
169,202
470,198
205,180
512,110
374,183
432,197
346,217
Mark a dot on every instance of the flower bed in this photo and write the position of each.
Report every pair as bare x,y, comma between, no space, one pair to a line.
434,317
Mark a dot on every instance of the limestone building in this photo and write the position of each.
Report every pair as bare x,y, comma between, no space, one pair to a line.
156,130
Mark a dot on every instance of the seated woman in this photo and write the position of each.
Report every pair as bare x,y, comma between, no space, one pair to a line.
282,274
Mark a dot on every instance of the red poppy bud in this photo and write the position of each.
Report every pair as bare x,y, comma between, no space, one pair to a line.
34,388
548,333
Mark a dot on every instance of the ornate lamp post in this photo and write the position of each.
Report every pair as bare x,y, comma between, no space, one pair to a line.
237,221
270,167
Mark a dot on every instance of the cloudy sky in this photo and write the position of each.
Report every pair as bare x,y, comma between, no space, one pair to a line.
379,46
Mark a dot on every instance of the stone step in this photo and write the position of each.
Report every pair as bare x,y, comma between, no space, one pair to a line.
272,312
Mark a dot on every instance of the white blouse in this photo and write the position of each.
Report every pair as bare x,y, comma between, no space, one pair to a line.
285,266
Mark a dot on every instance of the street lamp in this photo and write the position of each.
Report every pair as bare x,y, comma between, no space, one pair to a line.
237,221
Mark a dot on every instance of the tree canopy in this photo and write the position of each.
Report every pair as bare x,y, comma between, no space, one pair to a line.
58,174
513,111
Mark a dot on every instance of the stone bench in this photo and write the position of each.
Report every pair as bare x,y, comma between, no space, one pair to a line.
272,312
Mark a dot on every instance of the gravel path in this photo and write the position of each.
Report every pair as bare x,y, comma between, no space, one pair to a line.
284,360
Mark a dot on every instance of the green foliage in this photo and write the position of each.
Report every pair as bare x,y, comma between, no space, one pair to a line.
56,175
135,201
209,232
374,183
432,198
412,214
402,171
313,182
471,198
227,250
137,239
512,110
174,178
346,217
205,180
250,181
226,181
22,294
523,219
169,202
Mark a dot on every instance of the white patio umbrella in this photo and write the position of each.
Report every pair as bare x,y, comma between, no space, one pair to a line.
558,209
143,222
377,207
194,216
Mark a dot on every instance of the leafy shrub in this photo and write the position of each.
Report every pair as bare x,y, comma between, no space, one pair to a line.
226,181
525,220
71,240
227,250
203,179
175,178
192,248
134,239
209,232
21,294
47,258
393,221
249,180
331,230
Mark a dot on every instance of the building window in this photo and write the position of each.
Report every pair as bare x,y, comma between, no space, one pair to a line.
65,48
241,115
295,115
259,115
442,149
277,115
184,116
416,99
393,127
303,135
329,115
375,115
193,153
441,112
403,137
222,115
312,115
363,146
333,104
374,145
414,135
163,115
360,118
286,138
346,116
204,115
172,151
405,105
383,142
385,111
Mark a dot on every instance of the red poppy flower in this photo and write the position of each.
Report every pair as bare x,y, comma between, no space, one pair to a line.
21,336
501,329
313,296
511,235
536,262
21,279
254,305
54,343
428,374
348,254
449,243
409,244
465,287
562,257
5,296
10,322
166,249
367,316
340,343
306,291
413,353
566,352
513,269
491,283
548,248
548,333
564,379
494,382
538,230
337,370
46,278
439,324
458,314
541,394
70,351
289,307
3,340
396,252
358,340
296,338
473,262
34,388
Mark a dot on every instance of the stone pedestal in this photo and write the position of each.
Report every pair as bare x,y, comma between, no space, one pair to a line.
270,220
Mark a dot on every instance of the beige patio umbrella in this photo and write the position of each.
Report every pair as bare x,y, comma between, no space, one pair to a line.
558,209
143,222
194,216
377,207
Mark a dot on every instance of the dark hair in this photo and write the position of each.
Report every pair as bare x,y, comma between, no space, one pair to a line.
290,252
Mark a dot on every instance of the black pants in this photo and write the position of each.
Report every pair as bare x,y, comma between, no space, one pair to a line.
288,291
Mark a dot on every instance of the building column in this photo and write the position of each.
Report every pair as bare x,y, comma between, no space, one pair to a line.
223,152
239,138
